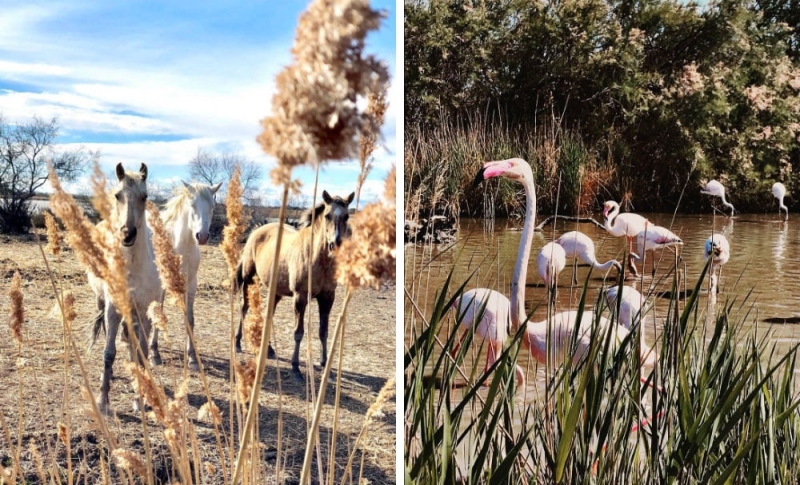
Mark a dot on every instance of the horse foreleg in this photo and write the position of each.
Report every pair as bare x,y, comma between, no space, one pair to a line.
300,303
155,355
270,350
245,306
190,351
138,351
112,319
325,302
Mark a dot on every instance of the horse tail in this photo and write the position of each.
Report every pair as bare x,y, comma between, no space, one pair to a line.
99,322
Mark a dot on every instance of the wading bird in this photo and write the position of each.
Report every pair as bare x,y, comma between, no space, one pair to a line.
719,249
716,189
627,224
519,170
578,245
779,191
551,262
630,305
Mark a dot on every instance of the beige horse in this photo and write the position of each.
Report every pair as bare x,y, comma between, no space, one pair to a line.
299,250
144,285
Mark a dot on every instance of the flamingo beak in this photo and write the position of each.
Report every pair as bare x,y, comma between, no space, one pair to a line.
491,170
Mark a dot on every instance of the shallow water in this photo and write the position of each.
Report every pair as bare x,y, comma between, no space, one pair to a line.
762,277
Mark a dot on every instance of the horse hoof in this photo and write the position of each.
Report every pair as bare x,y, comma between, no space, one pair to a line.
238,348
193,366
104,408
155,359
298,376
270,353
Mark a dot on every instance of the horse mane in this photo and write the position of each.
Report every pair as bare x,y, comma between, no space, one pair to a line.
172,208
316,212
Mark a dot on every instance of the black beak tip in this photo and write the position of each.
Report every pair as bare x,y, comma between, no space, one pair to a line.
478,178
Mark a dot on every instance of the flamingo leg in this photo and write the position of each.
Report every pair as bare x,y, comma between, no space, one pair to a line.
457,346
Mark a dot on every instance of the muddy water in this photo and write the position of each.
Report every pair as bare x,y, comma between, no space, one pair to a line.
762,276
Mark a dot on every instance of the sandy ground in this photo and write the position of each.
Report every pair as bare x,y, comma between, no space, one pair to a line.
37,386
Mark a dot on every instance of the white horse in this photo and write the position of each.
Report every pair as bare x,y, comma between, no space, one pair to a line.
187,217
144,285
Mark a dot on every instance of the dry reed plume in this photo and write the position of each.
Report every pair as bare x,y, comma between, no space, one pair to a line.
255,318
53,235
368,257
17,309
97,247
245,377
376,107
235,227
130,461
167,261
210,411
315,117
155,312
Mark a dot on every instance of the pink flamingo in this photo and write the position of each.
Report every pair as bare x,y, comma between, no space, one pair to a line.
779,191
492,325
718,247
551,262
578,245
561,328
627,224
716,189
499,310
630,305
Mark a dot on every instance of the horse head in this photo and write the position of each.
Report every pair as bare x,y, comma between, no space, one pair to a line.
202,211
336,216
131,197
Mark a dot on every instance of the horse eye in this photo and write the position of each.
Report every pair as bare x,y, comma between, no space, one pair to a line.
118,196
144,196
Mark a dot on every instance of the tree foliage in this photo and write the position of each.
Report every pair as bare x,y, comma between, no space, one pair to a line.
25,150
668,93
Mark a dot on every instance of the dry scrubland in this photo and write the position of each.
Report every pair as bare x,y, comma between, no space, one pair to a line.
34,383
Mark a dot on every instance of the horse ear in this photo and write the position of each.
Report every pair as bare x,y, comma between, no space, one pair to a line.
143,171
351,198
188,187
120,172
215,188
326,197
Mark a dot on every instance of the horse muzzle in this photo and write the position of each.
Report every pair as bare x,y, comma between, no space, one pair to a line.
202,238
128,236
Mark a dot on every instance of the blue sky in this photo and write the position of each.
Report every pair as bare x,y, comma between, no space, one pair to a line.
154,81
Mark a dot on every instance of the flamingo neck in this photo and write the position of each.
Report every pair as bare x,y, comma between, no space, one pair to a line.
611,218
608,264
523,255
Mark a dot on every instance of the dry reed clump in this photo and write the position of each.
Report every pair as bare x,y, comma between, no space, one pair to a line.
130,461
210,411
53,235
254,324
37,460
168,412
155,312
97,247
235,227
62,433
315,117
17,308
245,377
368,257
167,262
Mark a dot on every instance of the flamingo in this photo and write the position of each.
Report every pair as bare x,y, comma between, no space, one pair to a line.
656,237
561,328
551,261
718,247
779,191
578,245
716,189
492,326
627,224
499,309
629,307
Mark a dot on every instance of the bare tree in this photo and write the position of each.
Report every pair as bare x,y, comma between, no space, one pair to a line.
25,149
212,168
